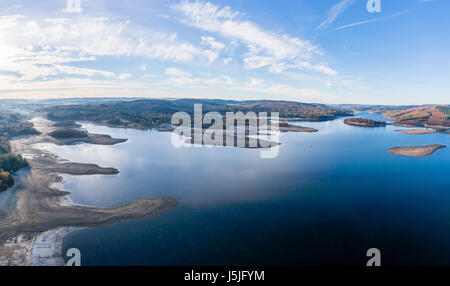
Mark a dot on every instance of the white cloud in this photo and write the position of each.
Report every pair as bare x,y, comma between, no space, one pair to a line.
40,48
371,20
227,61
124,76
334,12
256,82
212,55
322,68
209,17
276,51
48,54
256,62
178,77
174,72
197,82
192,87
215,45
70,70
283,91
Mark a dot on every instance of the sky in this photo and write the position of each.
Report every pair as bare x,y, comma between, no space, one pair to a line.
388,52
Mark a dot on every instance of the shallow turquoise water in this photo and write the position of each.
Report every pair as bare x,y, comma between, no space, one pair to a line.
326,199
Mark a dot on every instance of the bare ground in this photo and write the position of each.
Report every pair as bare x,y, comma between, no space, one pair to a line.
34,207
416,151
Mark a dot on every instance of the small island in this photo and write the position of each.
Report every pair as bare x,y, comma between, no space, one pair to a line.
74,136
286,127
364,122
67,124
416,131
416,151
68,133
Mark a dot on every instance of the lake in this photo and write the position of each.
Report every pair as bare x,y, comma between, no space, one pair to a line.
326,199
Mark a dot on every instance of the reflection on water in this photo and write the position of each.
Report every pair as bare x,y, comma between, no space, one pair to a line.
327,198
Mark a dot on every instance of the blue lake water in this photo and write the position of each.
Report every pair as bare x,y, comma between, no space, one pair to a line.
327,198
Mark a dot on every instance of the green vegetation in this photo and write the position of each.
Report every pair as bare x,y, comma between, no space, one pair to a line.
445,110
5,148
364,122
433,117
153,113
14,124
9,163
68,133
66,123
11,125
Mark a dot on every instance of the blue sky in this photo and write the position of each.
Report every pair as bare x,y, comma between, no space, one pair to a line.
327,51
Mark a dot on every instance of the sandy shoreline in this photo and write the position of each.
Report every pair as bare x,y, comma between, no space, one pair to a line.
416,151
39,215
416,131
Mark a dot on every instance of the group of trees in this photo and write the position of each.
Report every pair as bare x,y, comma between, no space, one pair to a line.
68,133
445,110
11,124
364,122
9,163
5,148
14,124
153,113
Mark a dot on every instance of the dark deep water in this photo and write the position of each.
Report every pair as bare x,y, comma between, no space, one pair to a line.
326,199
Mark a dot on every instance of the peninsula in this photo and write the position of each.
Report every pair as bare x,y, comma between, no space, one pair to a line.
364,122
416,151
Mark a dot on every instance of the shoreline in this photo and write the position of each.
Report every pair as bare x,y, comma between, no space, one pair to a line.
46,248
420,131
416,151
416,131
40,214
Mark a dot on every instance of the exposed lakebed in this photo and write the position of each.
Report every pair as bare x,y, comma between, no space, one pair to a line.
327,198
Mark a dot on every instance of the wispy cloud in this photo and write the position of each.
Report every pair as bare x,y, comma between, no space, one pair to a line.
276,51
371,20
334,12
175,72
35,49
124,76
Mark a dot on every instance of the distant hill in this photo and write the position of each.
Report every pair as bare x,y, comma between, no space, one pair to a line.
373,108
148,113
445,110
434,117
14,124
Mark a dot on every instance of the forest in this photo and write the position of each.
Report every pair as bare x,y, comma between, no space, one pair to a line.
9,163
151,113
364,122
11,125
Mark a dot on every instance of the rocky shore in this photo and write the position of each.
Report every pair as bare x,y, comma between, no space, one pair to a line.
36,217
